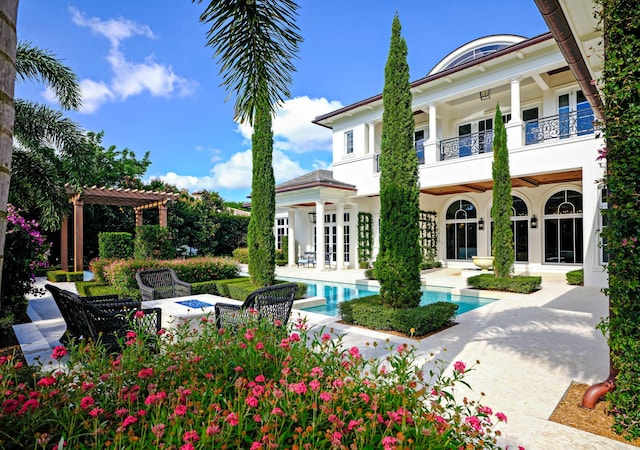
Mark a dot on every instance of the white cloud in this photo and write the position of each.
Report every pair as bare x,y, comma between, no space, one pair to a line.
235,173
292,127
129,77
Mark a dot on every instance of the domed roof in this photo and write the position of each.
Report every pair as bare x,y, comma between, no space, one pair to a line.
476,49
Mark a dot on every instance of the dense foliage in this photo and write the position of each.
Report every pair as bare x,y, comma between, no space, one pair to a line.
25,250
520,284
365,239
260,238
621,19
257,387
115,245
398,262
371,313
153,242
502,208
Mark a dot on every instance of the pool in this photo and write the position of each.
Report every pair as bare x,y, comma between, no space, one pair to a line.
342,292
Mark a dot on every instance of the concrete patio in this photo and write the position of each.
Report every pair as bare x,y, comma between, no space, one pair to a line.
530,348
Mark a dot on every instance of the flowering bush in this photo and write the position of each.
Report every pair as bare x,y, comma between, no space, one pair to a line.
25,250
256,387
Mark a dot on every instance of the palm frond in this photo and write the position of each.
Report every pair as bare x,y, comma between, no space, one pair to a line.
41,65
255,42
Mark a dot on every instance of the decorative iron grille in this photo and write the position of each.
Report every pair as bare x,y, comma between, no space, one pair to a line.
467,145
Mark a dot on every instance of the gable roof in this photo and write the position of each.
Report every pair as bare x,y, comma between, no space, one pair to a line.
317,178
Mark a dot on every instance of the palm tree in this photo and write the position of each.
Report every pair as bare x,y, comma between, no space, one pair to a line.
49,150
8,38
255,42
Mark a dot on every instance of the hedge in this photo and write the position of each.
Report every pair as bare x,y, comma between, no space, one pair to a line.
575,277
518,284
371,313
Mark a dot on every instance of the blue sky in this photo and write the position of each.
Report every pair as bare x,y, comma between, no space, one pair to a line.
150,83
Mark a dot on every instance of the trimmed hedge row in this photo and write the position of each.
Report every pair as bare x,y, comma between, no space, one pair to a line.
57,276
371,313
518,284
575,277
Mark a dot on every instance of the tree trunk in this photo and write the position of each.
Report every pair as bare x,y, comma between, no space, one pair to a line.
8,44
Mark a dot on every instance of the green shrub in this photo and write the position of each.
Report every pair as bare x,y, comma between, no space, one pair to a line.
154,242
75,276
370,274
371,313
42,271
241,255
519,284
97,267
56,276
430,264
575,277
115,245
282,262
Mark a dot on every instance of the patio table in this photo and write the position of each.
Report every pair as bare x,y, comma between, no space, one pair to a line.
189,308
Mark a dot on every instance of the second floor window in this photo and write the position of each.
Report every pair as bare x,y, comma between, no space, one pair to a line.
348,142
418,140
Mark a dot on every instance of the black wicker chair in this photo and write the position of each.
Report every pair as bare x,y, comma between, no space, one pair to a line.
273,303
109,326
161,283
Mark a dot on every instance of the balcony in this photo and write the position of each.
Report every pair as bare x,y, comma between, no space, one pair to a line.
467,145
561,126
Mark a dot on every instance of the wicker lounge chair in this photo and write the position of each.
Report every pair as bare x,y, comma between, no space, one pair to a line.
272,302
161,283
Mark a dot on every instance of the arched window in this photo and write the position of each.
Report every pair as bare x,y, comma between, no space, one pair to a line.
563,228
461,230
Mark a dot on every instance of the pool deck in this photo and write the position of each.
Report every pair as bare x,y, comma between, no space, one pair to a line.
530,348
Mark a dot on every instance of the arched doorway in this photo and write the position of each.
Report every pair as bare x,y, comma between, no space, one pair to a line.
563,228
520,229
461,230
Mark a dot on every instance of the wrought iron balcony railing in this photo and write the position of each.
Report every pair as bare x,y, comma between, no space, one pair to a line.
467,145
561,126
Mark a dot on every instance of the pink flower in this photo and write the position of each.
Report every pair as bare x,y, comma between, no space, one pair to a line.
121,412
238,369
232,419
389,442
251,401
259,346
485,410
190,436
87,385
158,430
501,417
47,381
138,314
325,396
353,351
314,385
298,388
145,373
459,366
317,371
260,379
364,397
213,429
474,422
326,337
129,421
187,446
86,402
58,352
256,446
180,410
95,412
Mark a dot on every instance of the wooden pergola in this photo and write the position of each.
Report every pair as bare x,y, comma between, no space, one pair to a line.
137,199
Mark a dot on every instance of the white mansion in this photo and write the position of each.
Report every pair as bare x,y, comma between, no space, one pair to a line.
549,103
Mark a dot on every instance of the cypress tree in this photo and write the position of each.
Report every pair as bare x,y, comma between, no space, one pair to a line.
398,263
260,238
502,238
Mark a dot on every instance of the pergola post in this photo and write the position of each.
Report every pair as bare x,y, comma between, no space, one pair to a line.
162,212
138,213
64,245
78,216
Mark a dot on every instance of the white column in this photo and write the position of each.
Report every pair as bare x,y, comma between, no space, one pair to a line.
340,236
376,235
372,138
319,236
514,127
353,238
431,150
292,237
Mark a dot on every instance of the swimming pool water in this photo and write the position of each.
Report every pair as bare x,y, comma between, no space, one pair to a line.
338,292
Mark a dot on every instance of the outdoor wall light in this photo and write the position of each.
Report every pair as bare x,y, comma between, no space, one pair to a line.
534,222
481,224
312,217
485,95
